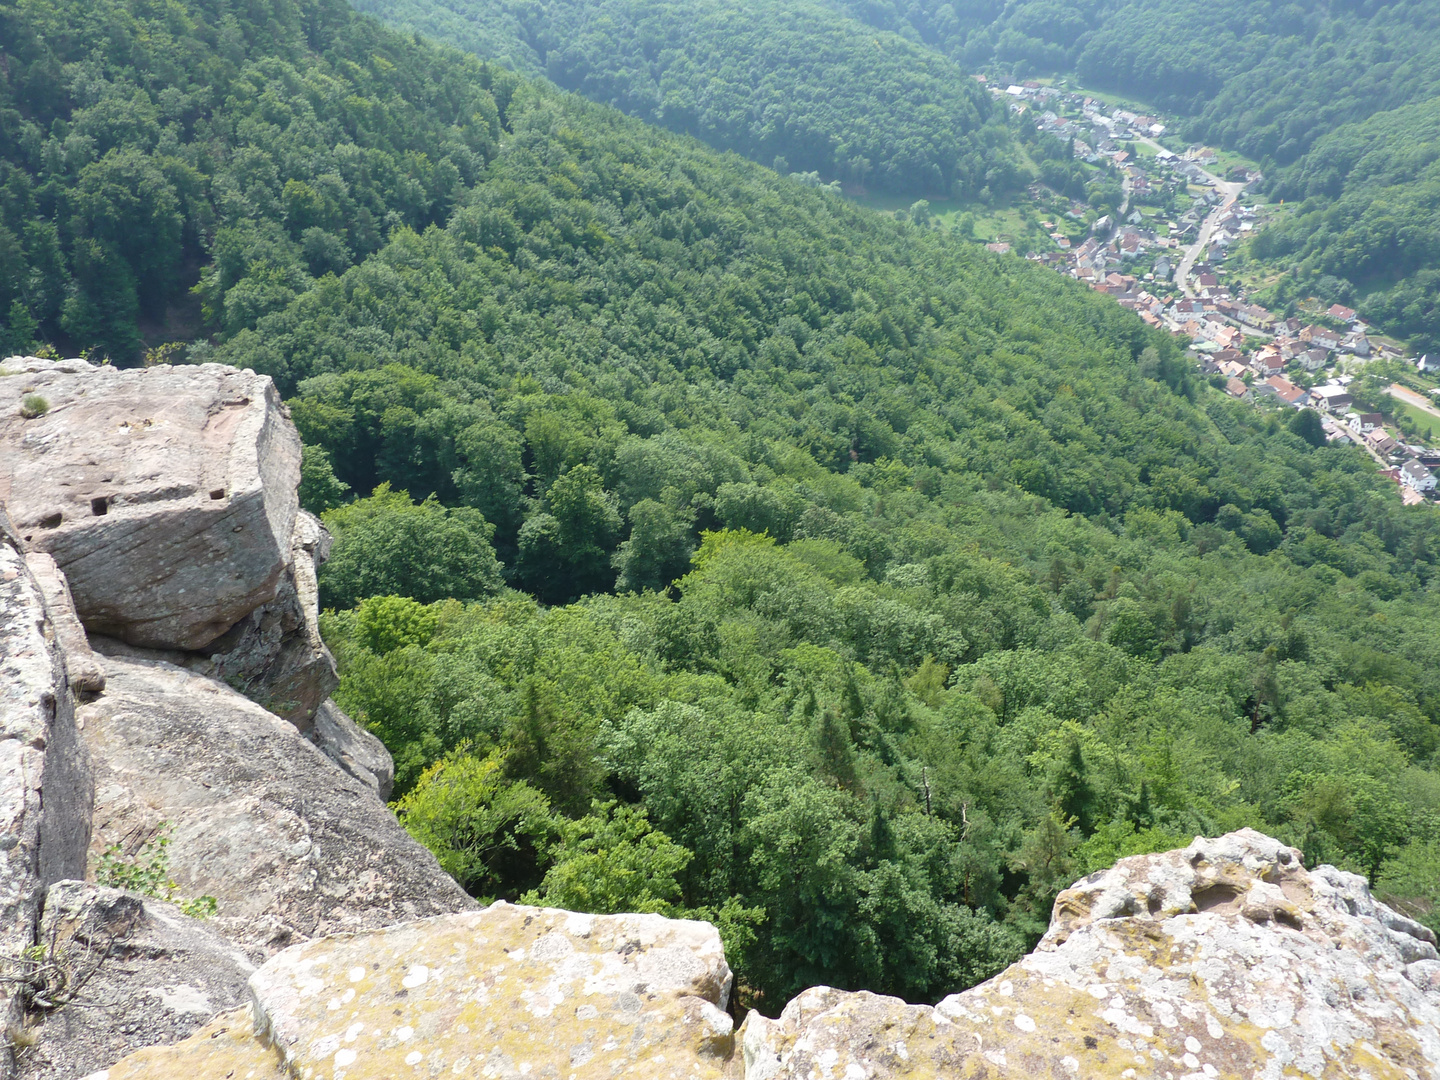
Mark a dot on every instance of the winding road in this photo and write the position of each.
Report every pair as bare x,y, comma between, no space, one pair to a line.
1230,192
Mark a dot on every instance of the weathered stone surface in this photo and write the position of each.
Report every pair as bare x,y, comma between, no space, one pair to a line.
84,668
166,494
505,992
44,775
151,976
290,846
225,1047
274,655
354,749
1224,959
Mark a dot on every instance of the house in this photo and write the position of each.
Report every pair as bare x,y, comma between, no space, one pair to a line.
1230,368
1235,388
1331,398
1257,316
1357,343
1363,422
1381,443
1321,336
1287,391
1339,311
1267,363
1416,476
1208,281
1429,364
1313,359
999,247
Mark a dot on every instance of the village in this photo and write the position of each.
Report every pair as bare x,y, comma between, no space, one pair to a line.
1163,255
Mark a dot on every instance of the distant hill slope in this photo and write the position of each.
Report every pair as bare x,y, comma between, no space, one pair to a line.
799,85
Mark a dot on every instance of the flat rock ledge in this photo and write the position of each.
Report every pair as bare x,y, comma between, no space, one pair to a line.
1224,959
504,992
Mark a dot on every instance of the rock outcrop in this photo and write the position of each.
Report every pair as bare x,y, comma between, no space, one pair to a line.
258,817
158,521
84,669
354,749
505,992
137,972
1227,958
167,495
45,785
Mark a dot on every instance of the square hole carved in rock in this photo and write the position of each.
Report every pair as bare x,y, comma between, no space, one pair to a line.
100,506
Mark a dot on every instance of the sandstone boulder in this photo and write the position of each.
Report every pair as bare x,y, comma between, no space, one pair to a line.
505,992
1225,959
141,972
274,655
44,775
289,845
165,494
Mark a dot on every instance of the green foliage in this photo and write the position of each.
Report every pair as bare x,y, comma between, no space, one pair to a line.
803,87
320,490
268,146
1121,838
33,406
386,623
146,871
1410,880
612,861
488,833
389,545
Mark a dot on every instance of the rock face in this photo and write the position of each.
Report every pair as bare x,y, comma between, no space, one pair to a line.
1227,958
44,773
158,973
354,749
167,495
259,818
504,992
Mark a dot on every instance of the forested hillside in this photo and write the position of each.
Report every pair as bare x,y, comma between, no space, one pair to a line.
797,85
704,543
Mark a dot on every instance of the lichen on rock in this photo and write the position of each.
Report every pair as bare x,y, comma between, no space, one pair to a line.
1227,958
505,992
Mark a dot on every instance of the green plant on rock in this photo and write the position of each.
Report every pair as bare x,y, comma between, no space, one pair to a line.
147,872
33,405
